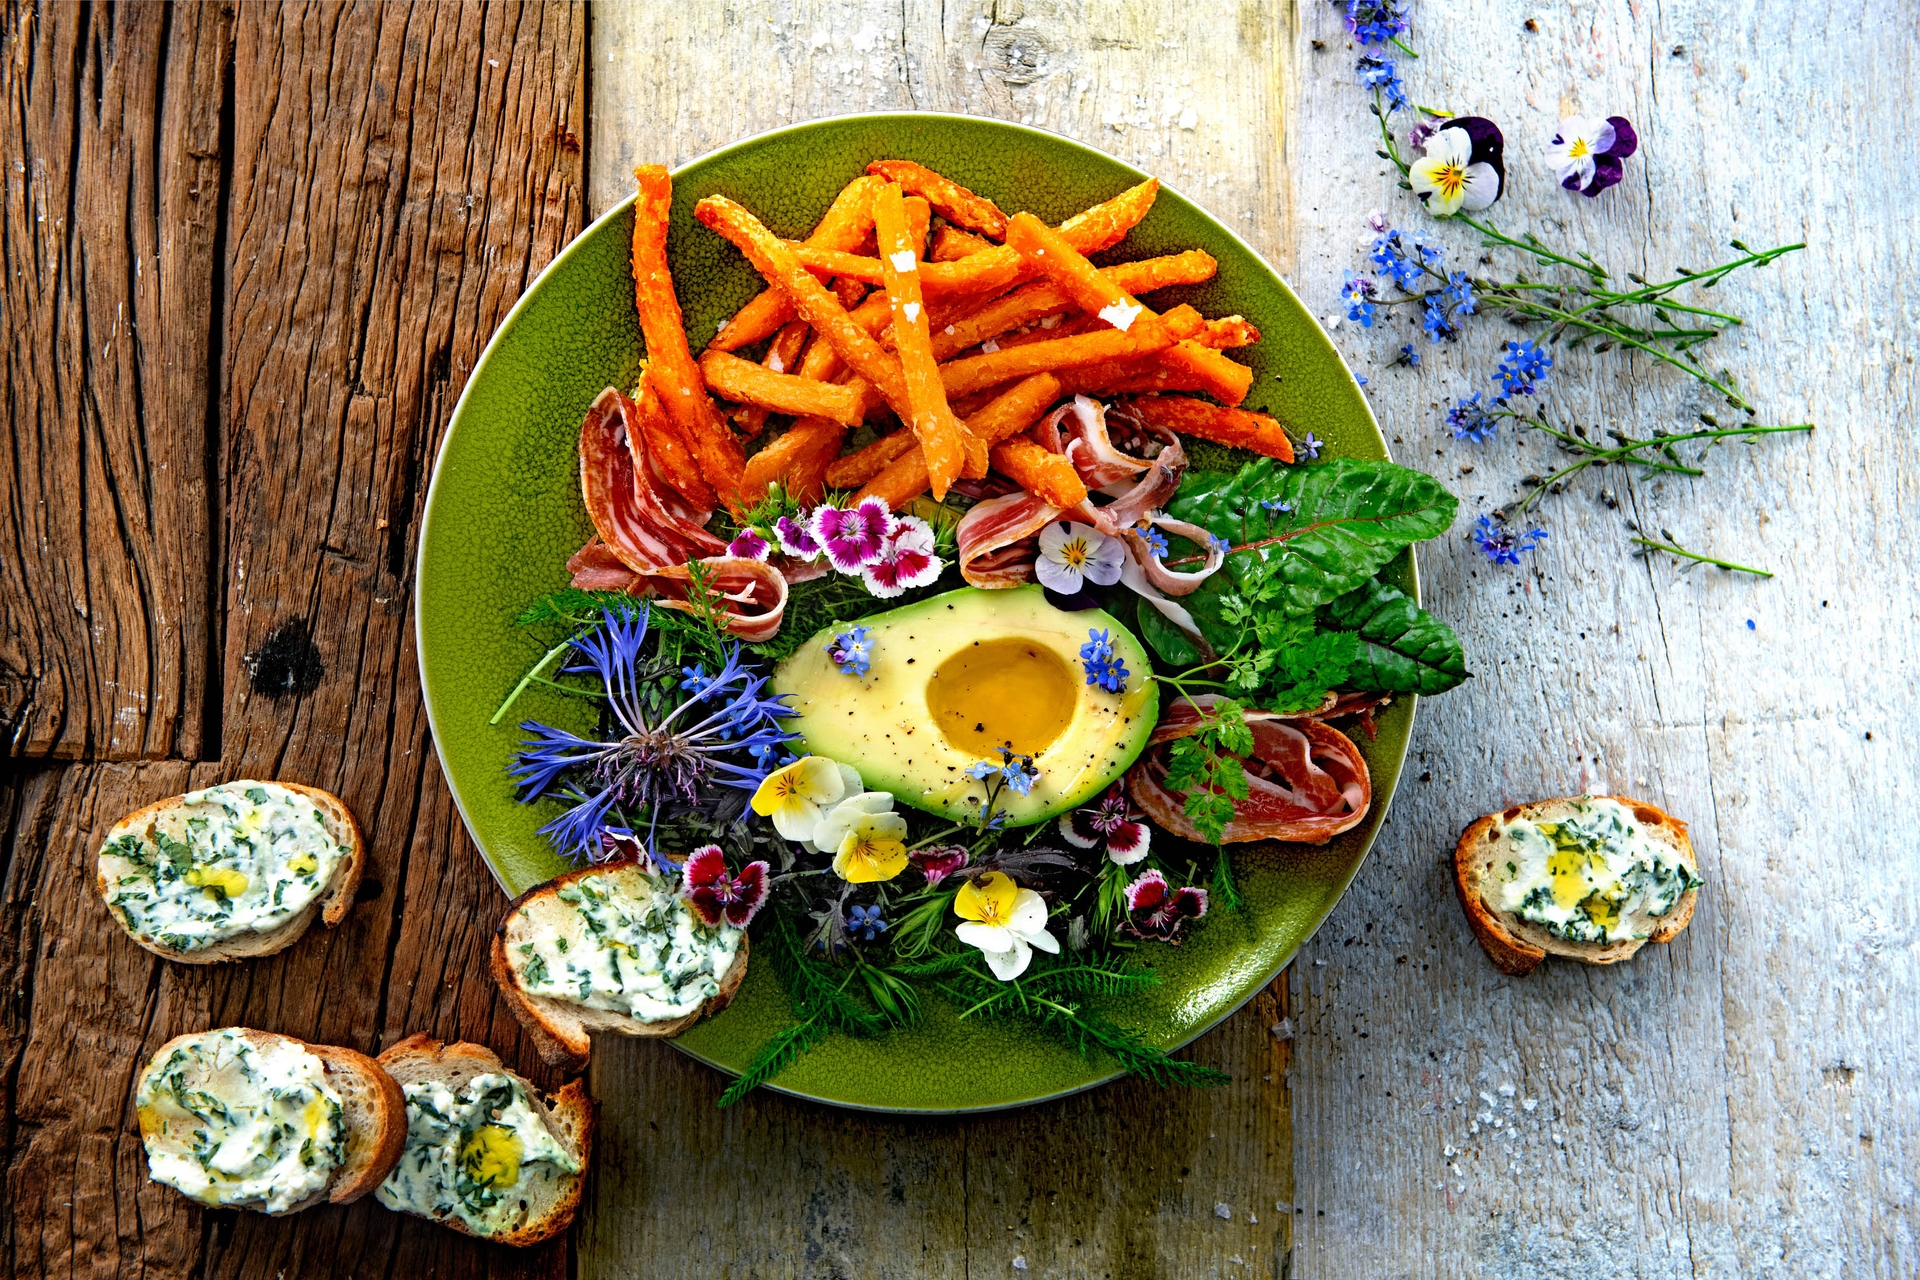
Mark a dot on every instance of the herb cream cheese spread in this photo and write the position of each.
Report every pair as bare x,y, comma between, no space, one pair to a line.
235,859
469,1150
626,942
1596,876
230,1121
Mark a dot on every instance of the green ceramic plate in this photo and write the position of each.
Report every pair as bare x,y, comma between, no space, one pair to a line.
504,513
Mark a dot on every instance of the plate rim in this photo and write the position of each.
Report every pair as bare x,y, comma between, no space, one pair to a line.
765,135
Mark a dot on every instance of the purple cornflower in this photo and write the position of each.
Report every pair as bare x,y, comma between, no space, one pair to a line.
1471,421
1501,544
692,745
1522,368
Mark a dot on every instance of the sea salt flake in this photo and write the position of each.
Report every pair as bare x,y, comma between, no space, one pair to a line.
989,346
904,260
775,363
1223,1211
1020,1263
911,311
1121,315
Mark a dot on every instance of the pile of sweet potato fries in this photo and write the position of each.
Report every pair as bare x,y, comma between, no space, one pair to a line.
964,331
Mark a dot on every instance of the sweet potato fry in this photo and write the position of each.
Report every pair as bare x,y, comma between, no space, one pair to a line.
1044,298
845,225
1006,415
1229,331
669,363
663,442
971,373
774,260
786,458
956,204
1238,427
927,413
1226,380
749,383
783,354
863,465
968,275
1127,377
919,220
1106,224
806,478
1043,473
1049,251
1080,322
950,244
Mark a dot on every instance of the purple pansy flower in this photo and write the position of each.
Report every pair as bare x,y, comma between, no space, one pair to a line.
1111,825
1464,166
1588,152
716,895
749,544
853,537
1160,912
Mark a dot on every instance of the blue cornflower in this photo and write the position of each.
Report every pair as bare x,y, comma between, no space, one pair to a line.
1501,544
1375,22
647,762
1358,294
1311,446
851,651
866,922
1409,357
1156,541
1470,420
1460,290
1435,320
1521,368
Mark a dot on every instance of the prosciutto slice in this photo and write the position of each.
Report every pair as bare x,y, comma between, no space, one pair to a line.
1306,781
639,518
997,526
751,595
596,568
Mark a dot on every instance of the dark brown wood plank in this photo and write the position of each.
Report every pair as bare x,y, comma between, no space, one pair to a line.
107,239
399,174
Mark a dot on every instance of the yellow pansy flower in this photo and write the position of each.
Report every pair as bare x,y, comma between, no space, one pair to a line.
1005,921
873,848
795,796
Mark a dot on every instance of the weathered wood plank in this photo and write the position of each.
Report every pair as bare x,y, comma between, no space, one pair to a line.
1120,1182
400,173
112,192
1732,1105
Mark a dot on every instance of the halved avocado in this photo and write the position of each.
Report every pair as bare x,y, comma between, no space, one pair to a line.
955,678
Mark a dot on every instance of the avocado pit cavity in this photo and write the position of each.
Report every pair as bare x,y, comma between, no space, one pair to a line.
1009,692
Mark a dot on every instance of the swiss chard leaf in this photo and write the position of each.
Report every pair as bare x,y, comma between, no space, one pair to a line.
1402,648
1304,536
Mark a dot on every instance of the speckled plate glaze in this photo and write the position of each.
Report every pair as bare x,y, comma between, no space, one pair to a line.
504,514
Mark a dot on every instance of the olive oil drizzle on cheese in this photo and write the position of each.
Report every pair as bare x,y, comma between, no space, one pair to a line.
1595,876
238,858
473,1153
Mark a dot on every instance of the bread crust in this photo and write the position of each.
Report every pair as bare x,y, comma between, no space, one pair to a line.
331,907
374,1108
1516,946
559,1029
570,1113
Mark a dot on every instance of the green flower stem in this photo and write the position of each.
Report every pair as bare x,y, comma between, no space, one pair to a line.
537,673
1628,451
1671,550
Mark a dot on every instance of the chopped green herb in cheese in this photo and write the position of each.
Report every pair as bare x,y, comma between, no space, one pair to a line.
473,1153
1596,876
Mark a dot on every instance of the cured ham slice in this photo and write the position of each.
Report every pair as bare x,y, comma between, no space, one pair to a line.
1306,781
996,525
749,595
596,568
638,517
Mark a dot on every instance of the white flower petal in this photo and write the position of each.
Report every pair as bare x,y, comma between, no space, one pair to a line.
1043,940
796,819
1449,146
990,938
1008,965
1482,186
1105,564
850,782
1053,538
1029,914
1056,576
1424,177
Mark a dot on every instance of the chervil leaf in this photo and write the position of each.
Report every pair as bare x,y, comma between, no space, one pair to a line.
1310,666
1307,535
1210,813
1231,726
1401,647
1186,764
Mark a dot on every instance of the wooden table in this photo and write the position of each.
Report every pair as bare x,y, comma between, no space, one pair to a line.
252,254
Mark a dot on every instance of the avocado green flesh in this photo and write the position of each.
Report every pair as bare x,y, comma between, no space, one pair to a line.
882,724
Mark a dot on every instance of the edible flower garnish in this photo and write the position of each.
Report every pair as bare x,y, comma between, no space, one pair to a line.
905,559
865,921
1463,167
1471,421
1501,544
1111,825
796,538
867,839
1072,555
939,862
1005,921
1156,541
1100,663
852,538
797,796
715,895
648,761
1358,294
1588,152
1522,368
851,651
749,544
1160,912
1014,771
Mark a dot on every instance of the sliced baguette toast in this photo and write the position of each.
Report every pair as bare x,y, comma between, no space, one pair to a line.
546,1206
561,1028
331,906
374,1108
1517,945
